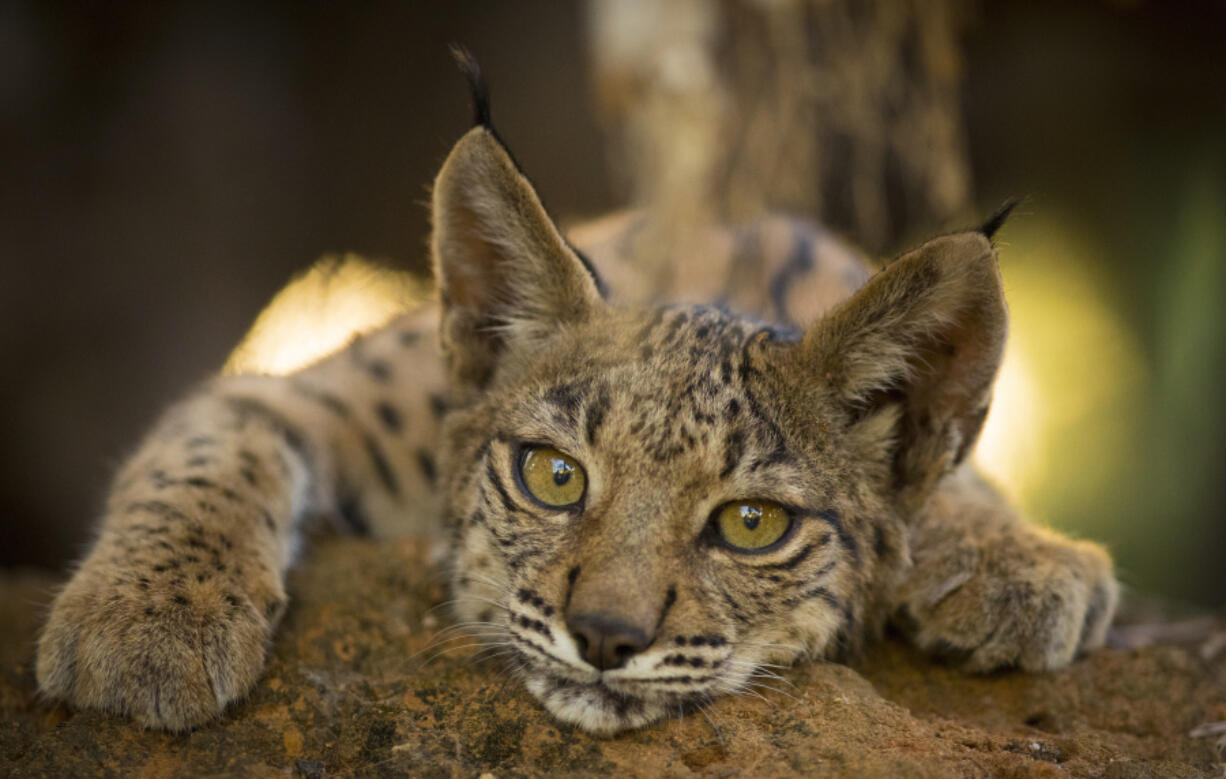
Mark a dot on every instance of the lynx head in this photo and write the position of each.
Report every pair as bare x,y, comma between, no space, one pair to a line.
650,505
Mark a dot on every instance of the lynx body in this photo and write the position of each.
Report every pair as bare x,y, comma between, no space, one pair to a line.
650,502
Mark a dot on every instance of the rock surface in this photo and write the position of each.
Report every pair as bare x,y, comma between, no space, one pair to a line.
354,687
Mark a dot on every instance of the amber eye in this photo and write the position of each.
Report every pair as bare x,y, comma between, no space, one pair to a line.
750,525
551,477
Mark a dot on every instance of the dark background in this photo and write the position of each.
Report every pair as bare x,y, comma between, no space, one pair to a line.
167,168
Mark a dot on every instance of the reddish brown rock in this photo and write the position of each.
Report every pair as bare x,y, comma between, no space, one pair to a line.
353,687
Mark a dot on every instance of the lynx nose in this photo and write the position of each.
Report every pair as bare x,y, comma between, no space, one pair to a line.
605,641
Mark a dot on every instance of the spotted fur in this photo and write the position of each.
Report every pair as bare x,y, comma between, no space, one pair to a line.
850,398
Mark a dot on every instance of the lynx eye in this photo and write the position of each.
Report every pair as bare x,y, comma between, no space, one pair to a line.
551,477
752,525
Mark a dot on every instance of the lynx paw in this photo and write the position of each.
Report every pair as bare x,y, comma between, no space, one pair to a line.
1032,602
170,653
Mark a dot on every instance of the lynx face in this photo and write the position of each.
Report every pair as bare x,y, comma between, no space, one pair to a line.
649,505
708,533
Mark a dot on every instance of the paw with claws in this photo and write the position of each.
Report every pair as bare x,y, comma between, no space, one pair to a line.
988,590
1000,595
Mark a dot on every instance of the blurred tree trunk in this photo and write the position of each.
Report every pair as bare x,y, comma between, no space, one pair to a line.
843,110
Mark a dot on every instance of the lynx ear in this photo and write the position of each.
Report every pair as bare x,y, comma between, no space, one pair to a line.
504,271
912,356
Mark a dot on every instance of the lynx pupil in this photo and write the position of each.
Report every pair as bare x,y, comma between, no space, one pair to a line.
562,471
751,516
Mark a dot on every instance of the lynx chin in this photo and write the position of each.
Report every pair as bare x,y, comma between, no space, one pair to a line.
649,502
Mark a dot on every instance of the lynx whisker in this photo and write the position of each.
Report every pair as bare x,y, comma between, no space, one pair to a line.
770,688
703,710
480,639
451,650
762,673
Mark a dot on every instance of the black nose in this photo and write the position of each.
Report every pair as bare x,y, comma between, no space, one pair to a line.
606,641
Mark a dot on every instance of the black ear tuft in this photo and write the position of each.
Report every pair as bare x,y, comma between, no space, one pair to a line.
997,219
480,94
